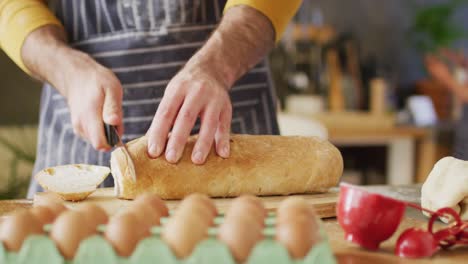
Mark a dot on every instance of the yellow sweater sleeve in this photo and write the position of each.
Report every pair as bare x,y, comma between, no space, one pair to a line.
18,18
279,12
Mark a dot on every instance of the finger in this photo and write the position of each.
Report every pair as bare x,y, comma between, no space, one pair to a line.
77,127
121,129
162,123
95,129
209,124
112,109
95,132
223,131
183,125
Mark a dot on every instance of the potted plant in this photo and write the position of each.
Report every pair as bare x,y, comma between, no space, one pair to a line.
434,29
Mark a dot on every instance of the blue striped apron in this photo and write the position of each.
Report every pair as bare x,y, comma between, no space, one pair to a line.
145,43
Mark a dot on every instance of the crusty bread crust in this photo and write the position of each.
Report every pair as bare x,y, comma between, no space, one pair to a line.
74,197
259,165
71,196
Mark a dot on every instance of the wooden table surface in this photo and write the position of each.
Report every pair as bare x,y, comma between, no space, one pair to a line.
348,253
345,252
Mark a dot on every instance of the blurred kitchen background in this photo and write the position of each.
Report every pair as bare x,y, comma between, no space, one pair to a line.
349,71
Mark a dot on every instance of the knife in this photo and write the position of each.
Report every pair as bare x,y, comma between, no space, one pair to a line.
113,139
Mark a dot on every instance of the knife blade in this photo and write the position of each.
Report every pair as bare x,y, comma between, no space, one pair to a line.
113,139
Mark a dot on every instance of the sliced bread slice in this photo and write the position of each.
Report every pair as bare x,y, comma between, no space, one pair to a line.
72,182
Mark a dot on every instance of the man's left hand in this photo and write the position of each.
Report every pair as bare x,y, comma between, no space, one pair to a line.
200,89
194,92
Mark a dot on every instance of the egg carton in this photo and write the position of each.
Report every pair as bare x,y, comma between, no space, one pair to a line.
38,249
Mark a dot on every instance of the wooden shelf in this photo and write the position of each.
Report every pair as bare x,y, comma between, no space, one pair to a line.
411,150
376,136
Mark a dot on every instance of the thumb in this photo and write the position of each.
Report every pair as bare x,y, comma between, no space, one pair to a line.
112,109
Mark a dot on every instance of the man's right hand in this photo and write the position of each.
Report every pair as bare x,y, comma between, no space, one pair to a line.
94,96
93,92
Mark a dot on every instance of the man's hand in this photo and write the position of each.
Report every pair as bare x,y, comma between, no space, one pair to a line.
447,186
200,89
94,96
192,93
93,92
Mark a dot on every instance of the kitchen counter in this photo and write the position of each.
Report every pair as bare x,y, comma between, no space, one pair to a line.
349,253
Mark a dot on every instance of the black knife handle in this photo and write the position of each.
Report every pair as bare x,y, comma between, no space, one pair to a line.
111,134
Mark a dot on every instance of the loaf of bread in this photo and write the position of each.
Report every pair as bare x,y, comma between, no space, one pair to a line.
258,165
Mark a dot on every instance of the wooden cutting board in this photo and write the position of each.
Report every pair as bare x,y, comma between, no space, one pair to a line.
324,203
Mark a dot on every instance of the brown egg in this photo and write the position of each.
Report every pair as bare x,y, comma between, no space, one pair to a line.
253,200
240,233
146,215
183,232
16,227
124,232
94,215
195,204
240,207
44,214
68,231
292,207
197,209
298,235
155,201
203,199
56,207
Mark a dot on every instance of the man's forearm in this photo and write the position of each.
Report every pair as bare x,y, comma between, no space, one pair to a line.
40,48
242,39
48,56
93,92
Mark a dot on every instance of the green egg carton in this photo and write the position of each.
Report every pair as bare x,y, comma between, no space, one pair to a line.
39,249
